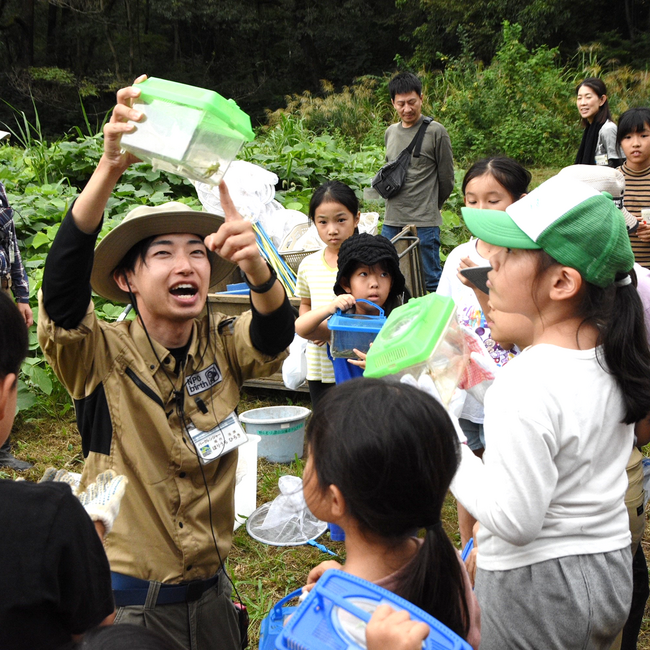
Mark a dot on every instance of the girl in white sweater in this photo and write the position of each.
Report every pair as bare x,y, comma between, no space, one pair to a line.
554,561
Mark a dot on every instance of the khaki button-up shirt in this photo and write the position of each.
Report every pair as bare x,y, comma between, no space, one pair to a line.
130,420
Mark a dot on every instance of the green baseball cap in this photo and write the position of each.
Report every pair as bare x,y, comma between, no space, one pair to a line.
576,225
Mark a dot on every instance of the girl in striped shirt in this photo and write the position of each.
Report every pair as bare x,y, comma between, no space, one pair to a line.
634,139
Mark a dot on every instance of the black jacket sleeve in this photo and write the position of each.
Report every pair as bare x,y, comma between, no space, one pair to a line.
272,333
66,278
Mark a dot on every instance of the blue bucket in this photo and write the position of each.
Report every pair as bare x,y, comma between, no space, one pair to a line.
282,429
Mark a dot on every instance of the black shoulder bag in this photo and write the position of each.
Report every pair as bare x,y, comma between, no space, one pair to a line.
389,179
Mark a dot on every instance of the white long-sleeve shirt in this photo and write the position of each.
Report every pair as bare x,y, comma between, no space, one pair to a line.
552,481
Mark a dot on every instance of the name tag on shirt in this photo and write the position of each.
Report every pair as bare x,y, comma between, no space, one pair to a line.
213,444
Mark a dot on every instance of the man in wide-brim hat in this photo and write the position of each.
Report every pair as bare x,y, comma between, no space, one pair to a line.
155,397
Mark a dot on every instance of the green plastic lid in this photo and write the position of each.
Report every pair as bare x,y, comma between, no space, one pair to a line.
209,101
410,335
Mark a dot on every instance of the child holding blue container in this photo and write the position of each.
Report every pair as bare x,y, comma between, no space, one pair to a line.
368,275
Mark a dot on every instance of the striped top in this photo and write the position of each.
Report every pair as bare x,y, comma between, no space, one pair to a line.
637,197
316,280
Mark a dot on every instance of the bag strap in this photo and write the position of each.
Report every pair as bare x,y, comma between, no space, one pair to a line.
419,136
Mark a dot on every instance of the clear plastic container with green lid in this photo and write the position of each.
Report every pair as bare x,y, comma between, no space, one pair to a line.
421,336
189,131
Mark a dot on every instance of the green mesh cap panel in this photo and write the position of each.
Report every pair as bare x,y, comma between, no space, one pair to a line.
591,238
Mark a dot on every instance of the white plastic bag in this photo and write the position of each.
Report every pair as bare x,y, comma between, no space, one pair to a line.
368,222
294,368
289,504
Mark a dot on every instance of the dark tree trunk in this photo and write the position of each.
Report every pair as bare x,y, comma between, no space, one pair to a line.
129,27
52,13
28,17
629,18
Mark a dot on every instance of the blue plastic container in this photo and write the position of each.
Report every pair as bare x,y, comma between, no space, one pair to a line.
350,331
334,617
272,625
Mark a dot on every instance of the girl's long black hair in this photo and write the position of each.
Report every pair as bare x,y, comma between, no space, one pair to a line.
392,451
617,314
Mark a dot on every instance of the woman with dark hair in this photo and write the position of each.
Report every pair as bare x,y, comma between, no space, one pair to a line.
598,145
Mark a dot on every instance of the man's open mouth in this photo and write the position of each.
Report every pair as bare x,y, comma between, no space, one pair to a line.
184,290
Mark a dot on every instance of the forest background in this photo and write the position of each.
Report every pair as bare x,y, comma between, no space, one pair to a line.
260,51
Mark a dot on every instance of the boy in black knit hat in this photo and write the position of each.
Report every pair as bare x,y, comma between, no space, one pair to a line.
369,270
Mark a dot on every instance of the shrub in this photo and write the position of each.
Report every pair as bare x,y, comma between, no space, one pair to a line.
359,112
520,106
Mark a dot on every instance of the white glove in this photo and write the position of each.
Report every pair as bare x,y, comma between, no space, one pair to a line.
61,476
102,498
426,384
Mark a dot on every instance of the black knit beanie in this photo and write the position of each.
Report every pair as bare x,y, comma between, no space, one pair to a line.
369,250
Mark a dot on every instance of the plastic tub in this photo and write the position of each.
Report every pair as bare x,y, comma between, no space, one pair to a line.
282,431
354,331
246,487
189,131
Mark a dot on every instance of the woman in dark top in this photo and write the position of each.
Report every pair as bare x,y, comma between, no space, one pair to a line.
598,146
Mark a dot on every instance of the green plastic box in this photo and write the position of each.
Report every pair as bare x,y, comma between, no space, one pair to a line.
421,336
189,131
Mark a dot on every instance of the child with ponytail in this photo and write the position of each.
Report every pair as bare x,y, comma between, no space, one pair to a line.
554,561
381,458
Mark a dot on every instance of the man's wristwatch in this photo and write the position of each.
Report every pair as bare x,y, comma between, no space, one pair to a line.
262,288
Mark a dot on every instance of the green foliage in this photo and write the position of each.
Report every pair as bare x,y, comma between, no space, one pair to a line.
303,160
436,29
453,231
359,112
521,105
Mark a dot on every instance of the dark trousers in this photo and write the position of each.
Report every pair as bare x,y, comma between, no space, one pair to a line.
640,593
316,391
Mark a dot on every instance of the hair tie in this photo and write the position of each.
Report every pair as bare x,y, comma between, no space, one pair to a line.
623,281
434,527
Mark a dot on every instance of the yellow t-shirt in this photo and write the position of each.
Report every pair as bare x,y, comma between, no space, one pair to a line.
316,280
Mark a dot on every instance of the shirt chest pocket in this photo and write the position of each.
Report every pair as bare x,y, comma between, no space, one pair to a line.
143,436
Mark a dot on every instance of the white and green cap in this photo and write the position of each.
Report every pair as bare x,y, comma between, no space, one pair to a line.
572,222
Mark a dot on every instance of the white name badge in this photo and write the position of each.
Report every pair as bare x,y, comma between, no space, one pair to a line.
213,444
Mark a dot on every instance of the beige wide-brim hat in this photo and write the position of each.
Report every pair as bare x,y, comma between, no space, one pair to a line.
147,221
603,179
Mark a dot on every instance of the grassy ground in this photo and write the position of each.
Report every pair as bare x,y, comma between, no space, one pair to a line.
263,574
